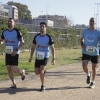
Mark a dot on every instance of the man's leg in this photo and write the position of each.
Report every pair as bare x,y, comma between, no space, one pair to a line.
94,60
15,69
92,85
85,60
42,67
9,69
93,71
84,66
11,75
37,71
37,66
97,68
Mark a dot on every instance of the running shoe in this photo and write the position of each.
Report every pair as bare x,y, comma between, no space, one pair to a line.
42,88
92,85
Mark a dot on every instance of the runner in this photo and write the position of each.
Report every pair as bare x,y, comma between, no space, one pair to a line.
13,41
90,51
41,43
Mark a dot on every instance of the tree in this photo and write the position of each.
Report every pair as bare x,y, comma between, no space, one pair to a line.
55,35
71,38
23,12
26,36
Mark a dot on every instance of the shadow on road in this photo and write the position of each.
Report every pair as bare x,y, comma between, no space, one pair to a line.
14,91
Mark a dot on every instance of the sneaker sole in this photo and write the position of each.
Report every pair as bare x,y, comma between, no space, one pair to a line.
91,87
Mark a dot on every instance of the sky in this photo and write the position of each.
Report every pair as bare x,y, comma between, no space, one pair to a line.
78,11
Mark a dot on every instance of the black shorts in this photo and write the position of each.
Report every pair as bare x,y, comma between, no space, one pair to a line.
93,59
99,51
11,60
38,63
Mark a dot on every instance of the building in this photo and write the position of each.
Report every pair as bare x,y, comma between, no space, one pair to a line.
4,13
58,21
36,21
13,11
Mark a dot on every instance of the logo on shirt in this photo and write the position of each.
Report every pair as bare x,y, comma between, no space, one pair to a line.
9,41
39,46
90,38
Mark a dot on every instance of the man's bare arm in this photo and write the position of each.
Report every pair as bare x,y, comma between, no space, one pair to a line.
1,41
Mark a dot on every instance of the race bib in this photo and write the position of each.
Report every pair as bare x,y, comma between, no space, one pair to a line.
90,49
9,49
40,55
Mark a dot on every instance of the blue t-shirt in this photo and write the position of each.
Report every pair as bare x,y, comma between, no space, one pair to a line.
42,45
11,40
91,42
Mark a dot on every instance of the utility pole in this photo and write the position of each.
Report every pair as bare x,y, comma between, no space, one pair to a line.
41,15
97,15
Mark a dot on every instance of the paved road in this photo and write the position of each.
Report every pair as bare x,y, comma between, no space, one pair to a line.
62,83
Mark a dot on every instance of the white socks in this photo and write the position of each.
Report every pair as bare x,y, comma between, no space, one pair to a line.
88,74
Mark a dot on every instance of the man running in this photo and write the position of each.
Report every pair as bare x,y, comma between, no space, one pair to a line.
41,43
13,41
90,51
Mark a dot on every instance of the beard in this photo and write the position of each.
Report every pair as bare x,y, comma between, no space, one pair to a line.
9,26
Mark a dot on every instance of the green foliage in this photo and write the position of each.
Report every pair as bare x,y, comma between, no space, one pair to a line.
26,36
54,34
23,12
66,38
3,24
73,38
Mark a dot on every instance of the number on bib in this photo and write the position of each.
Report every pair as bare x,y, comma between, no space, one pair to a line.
9,49
40,55
90,49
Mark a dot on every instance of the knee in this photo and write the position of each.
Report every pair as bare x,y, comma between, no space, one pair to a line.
41,71
9,68
37,73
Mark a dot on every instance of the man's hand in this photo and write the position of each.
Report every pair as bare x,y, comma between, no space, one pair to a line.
30,59
1,41
53,61
14,53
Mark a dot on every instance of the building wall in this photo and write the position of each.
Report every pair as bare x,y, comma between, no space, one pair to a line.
37,21
13,11
59,21
3,12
